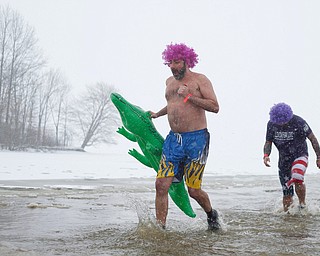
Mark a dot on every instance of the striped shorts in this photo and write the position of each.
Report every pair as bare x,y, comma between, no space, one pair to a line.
299,167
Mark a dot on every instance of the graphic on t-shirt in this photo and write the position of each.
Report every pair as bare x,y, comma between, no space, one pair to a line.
283,135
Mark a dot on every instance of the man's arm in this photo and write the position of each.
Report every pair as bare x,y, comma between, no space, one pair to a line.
266,153
161,112
316,147
208,101
207,104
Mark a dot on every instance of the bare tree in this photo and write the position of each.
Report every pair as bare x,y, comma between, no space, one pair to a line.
95,115
67,132
58,105
32,86
20,63
24,56
34,109
46,94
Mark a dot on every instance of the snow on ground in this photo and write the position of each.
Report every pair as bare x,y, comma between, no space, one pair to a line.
70,165
112,161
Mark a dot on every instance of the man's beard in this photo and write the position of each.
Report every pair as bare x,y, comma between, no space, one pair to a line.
179,74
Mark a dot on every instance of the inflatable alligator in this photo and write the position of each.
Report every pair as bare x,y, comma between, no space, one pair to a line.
138,127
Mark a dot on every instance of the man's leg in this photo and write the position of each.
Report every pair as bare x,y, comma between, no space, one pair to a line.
201,197
284,177
300,189
203,200
299,168
162,187
287,201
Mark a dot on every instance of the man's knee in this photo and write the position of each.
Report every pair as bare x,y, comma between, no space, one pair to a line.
163,185
287,200
300,186
194,193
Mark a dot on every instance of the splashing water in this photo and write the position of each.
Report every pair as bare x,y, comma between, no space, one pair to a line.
116,217
145,216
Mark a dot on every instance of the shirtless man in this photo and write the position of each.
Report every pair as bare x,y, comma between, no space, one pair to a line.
185,149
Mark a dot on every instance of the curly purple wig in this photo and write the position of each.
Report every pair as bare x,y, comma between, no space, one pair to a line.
180,52
280,113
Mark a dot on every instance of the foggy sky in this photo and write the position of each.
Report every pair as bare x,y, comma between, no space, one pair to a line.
255,52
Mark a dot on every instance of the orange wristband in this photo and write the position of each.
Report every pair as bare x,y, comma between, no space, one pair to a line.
187,97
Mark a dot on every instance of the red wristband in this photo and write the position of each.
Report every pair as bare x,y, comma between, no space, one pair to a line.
187,97
265,155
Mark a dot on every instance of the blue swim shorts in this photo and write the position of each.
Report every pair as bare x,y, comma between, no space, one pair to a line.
185,155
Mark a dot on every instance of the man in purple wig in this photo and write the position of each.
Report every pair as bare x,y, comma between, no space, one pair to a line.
289,132
185,150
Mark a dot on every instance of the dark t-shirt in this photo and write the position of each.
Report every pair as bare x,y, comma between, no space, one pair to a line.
290,140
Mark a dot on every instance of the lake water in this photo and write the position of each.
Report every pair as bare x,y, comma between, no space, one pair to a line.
116,217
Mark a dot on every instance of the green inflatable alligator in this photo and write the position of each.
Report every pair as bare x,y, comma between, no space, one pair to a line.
138,127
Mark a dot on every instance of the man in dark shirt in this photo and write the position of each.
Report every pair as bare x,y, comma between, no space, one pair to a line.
288,132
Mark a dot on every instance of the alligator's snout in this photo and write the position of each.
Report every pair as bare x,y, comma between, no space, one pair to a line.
115,97
133,117
121,104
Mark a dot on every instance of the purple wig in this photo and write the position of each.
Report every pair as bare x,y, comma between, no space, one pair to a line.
180,52
280,113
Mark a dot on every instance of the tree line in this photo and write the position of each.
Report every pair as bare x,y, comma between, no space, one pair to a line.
37,108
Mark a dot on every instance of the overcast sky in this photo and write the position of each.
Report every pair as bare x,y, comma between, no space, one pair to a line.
255,52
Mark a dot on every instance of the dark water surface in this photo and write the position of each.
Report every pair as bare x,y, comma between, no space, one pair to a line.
116,217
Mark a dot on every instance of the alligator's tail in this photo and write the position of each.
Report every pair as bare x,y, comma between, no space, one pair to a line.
180,197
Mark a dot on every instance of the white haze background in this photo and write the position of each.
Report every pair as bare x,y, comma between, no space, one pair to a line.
255,52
